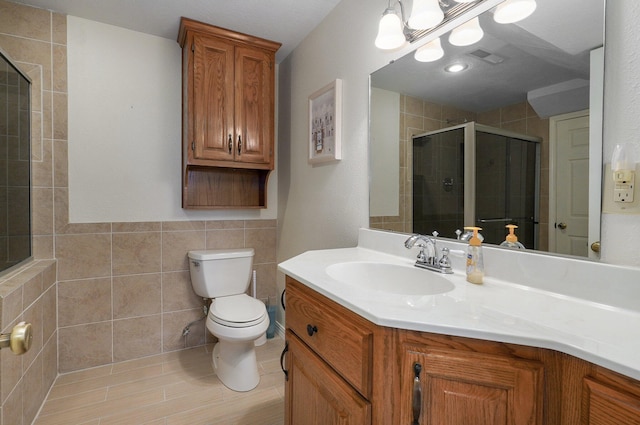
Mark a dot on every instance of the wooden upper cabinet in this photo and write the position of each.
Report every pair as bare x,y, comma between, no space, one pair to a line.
228,81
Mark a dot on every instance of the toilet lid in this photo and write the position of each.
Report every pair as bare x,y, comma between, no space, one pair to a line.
237,311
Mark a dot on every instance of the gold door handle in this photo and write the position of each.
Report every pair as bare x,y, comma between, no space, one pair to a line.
562,226
595,247
19,340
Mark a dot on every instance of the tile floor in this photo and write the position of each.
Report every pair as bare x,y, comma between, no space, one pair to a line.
177,388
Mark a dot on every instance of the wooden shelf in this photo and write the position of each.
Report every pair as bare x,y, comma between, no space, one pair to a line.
224,188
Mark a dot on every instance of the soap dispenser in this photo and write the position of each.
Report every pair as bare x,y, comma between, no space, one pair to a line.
475,264
511,241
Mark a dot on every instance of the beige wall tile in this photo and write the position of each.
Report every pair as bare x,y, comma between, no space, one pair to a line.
136,295
33,315
85,346
172,325
137,227
25,21
225,224
33,288
175,246
10,371
42,207
50,361
29,51
60,69
137,337
136,253
260,224
49,313
60,115
11,308
82,256
263,241
12,407
169,226
225,239
33,391
61,164
84,301
177,292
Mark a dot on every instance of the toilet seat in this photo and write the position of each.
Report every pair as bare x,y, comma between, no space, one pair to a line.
237,311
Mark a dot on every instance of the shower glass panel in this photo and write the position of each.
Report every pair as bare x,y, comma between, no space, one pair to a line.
15,165
475,174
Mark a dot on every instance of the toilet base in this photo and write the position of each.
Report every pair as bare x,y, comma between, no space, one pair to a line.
236,365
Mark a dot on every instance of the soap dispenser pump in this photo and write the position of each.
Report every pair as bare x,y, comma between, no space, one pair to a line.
511,241
475,263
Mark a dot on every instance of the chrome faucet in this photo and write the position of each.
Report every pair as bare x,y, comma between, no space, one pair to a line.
430,260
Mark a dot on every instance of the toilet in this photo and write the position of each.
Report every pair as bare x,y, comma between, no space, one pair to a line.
235,318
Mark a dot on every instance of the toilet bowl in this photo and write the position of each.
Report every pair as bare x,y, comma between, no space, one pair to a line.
236,319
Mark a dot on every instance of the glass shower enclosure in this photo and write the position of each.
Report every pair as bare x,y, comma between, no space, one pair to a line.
476,175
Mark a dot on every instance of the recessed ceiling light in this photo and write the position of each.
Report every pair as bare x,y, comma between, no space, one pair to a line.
456,67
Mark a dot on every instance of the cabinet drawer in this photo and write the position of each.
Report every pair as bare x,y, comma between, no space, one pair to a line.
342,338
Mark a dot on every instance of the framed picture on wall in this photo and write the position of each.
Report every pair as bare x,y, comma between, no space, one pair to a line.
325,116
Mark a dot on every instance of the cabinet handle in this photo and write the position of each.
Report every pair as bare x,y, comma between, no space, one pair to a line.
282,299
230,143
239,145
284,352
311,330
416,404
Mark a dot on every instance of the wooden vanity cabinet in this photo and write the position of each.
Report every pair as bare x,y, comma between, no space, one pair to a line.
228,116
337,360
355,372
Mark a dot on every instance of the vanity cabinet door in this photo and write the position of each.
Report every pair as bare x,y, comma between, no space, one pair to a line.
610,404
441,387
316,394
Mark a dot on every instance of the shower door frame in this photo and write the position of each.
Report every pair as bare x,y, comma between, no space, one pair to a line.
469,169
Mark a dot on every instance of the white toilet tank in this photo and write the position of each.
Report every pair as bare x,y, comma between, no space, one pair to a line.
220,272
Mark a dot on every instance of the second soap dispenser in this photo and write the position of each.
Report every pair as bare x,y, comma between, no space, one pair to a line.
511,241
475,263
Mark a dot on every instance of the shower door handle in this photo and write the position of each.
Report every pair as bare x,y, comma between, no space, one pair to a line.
495,220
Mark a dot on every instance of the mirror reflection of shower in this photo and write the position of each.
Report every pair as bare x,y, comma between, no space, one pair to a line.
473,174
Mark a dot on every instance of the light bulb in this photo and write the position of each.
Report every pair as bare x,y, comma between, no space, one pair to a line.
466,34
425,14
432,51
390,35
513,11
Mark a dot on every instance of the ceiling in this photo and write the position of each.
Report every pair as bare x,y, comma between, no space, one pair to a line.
549,47
284,21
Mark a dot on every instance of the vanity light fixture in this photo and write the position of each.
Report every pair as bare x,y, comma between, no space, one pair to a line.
513,11
430,52
456,67
466,34
393,29
390,31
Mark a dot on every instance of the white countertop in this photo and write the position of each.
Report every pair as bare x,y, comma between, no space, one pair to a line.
497,310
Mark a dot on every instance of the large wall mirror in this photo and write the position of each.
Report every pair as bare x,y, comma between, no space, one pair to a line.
512,138
15,165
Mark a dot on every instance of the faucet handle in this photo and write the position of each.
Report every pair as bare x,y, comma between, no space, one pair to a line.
435,233
444,262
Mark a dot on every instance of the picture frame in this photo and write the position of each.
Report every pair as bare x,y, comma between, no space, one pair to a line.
325,123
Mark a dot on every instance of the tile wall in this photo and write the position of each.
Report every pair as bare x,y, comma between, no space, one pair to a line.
419,116
123,289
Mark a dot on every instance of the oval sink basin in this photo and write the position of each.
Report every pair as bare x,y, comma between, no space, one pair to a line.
390,278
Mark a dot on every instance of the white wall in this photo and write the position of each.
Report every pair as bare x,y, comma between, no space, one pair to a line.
620,242
125,129
322,207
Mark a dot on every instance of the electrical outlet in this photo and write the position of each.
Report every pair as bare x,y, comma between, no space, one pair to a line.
610,192
623,190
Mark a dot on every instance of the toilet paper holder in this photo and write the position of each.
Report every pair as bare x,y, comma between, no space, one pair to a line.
19,340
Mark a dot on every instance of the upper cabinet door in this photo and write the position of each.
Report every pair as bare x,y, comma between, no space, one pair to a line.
213,120
254,99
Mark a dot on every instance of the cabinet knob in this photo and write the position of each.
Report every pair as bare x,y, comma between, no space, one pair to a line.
239,145
312,329
230,143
